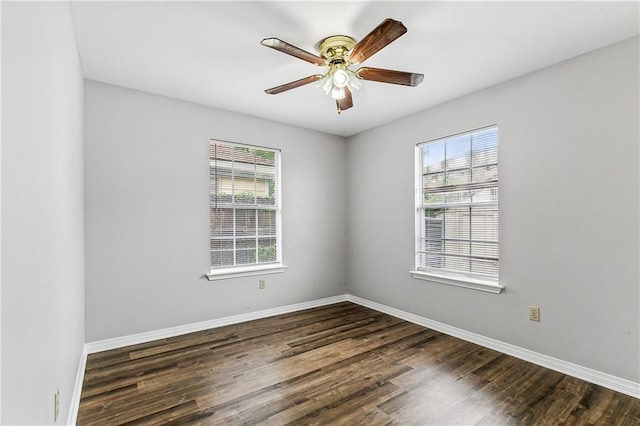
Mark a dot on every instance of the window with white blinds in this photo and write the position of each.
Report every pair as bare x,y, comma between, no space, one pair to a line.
245,206
457,206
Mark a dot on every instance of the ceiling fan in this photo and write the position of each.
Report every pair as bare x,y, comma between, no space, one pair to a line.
338,53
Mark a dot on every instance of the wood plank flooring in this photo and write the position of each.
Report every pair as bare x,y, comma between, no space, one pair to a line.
338,364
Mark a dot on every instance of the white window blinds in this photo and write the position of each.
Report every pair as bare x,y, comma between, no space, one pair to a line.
245,205
457,205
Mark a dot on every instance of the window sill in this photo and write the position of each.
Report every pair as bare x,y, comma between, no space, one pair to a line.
223,274
459,281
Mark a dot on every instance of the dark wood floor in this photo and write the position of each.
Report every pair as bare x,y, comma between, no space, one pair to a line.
338,364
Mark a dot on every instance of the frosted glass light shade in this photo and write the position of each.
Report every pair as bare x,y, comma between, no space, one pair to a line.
340,78
337,92
325,84
353,82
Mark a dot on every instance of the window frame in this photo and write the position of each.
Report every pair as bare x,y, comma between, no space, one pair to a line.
251,269
437,275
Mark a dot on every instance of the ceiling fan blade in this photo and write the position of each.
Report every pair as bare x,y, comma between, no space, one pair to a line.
346,102
390,76
293,84
379,37
292,50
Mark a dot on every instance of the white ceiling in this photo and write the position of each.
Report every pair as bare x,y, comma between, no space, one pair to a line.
210,52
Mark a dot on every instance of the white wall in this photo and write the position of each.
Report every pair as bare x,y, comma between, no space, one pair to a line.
42,211
147,213
569,195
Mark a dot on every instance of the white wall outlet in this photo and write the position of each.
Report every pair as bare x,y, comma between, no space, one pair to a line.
534,313
262,284
56,405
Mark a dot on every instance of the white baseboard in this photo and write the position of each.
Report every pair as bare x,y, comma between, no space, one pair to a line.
134,339
77,389
603,379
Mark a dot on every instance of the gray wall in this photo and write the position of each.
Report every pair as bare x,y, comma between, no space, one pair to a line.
569,214
42,211
147,213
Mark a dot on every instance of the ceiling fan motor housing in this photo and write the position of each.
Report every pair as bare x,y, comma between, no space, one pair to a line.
335,47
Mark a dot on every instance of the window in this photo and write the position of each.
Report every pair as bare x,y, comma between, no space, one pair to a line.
245,210
457,210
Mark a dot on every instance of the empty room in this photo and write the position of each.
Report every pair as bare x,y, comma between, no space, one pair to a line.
375,213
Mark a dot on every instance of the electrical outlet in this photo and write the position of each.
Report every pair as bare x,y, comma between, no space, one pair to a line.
262,283
56,405
534,313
